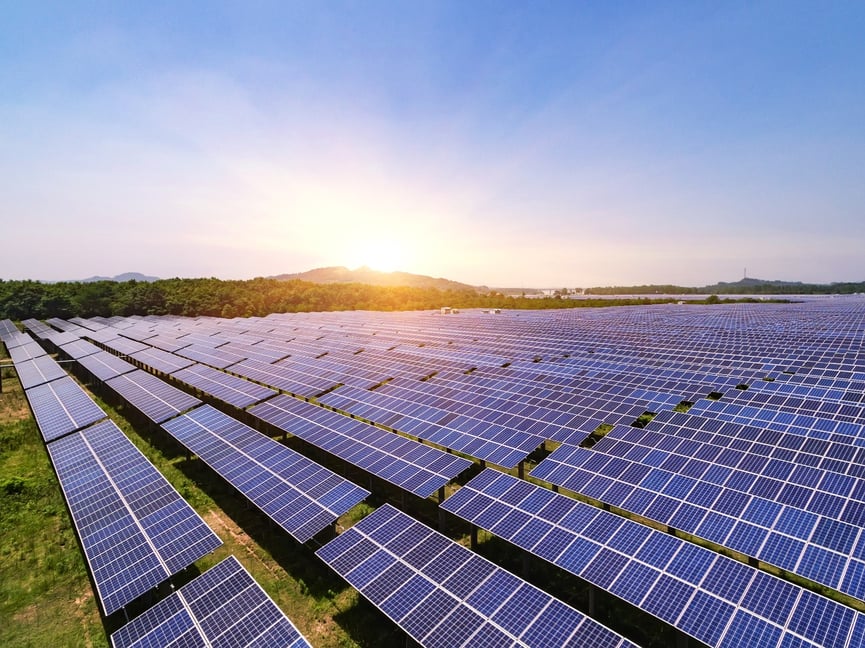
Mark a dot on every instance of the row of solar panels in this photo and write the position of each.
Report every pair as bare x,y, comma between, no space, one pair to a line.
238,454
137,532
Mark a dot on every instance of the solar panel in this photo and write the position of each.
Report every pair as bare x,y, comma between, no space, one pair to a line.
442,594
450,429
135,529
58,338
151,396
26,352
105,366
61,407
79,348
7,326
120,345
417,468
221,607
160,360
299,495
717,509
283,378
638,564
225,387
38,371
219,358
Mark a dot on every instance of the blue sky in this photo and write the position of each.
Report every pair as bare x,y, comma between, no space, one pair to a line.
542,144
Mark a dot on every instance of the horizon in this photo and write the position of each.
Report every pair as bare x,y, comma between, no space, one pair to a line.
552,145
480,285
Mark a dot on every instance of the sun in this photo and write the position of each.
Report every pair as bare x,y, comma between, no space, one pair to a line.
382,254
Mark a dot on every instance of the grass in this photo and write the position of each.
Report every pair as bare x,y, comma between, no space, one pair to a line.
46,598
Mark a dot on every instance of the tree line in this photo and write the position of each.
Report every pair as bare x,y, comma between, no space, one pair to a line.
737,288
255,297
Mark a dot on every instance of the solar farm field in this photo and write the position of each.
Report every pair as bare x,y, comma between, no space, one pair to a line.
615,476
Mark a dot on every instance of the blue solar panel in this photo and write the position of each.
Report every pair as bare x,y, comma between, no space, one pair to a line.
225,387
105,366
79,349
283,378
299,495
432,606
61,407
135,529
224,606
417,468
690,587
151,396
161,361
26,352
494,443
823,557
38,371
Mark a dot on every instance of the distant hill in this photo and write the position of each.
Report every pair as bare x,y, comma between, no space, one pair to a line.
126,276
746,286
365,275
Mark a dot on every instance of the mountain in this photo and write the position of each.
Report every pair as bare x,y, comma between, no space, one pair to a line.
365,275
126,276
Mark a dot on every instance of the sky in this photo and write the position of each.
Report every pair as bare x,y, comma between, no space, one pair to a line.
509,144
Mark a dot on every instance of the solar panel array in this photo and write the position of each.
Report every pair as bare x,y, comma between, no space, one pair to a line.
225,387
442,594
299,495
105,366
154,398
467,434
713,598
767,462
815,546
135,529
417,468
224,606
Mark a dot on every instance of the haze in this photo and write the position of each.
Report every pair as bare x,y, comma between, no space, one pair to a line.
507,144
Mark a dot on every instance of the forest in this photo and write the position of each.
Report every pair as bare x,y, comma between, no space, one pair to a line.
255,297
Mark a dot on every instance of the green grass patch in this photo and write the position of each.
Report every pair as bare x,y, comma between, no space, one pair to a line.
46,598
